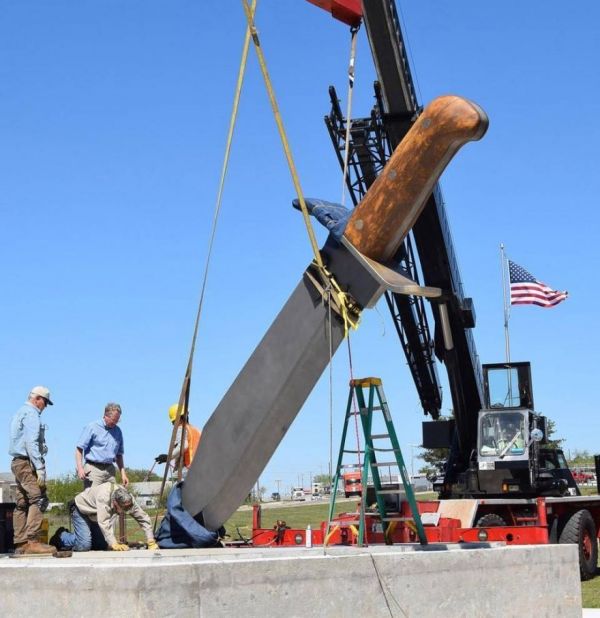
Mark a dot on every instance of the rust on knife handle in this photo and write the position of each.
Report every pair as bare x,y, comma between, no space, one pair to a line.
393,203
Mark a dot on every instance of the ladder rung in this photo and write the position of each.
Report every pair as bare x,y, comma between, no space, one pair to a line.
386,450
354,452
365,410
385,464
350,466
377,436
391,491
397,519
349,523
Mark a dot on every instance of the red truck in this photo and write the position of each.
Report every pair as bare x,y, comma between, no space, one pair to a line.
352,483
582,477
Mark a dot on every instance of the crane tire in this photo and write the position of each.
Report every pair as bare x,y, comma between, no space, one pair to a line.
580,530
490,520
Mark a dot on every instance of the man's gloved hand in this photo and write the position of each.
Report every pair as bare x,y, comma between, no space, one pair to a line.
119,547
161,459
153,545
44,502
41,477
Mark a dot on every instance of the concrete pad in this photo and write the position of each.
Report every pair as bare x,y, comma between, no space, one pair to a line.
381,581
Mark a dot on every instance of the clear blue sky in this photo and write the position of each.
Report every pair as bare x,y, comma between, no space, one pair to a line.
113,119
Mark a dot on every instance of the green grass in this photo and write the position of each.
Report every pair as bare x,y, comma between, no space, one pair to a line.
590,592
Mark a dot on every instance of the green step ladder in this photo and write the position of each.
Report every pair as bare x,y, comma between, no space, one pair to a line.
374,402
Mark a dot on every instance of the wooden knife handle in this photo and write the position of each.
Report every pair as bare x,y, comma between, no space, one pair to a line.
392,205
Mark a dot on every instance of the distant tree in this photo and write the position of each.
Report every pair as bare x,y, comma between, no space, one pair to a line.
551,427
63,489
582,458
324,479
434,459
137,475
256,495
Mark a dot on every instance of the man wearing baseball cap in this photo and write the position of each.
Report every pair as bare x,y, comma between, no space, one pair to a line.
27,447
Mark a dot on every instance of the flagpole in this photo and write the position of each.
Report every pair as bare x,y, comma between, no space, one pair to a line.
506,305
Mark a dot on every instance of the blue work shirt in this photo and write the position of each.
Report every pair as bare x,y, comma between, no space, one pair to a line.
26,435
101,444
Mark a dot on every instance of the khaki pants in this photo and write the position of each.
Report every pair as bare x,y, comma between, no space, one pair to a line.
96,474
27,517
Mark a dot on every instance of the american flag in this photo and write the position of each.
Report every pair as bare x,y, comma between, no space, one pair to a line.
525,289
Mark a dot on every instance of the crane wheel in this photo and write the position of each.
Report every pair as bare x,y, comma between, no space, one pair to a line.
490,520
580,530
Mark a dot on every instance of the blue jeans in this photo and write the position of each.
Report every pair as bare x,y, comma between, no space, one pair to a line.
86,534
333,216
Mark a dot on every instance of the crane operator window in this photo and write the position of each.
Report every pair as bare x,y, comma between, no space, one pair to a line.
502,434
504,388
508,386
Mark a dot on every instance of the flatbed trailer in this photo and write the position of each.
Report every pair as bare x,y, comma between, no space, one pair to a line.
513,521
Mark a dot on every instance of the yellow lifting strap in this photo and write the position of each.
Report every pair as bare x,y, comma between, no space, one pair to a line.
182,409
324,282
342,298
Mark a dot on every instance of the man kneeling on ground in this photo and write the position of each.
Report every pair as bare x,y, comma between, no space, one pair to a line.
93,515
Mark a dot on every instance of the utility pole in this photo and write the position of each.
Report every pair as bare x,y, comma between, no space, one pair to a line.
412,457
278,481
258,494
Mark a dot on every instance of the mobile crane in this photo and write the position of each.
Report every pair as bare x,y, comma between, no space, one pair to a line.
501,481
486,401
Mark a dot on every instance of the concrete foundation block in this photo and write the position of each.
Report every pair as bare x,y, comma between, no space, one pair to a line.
297,582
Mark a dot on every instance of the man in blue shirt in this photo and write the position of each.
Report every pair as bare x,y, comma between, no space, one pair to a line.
101,445
27,447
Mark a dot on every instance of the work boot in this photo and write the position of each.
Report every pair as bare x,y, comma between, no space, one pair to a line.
55,538
35,547
20,547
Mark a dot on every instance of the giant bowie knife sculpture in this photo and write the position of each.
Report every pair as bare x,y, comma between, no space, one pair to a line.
248,424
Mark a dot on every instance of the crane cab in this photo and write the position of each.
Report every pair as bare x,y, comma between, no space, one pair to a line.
505,421
511,457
